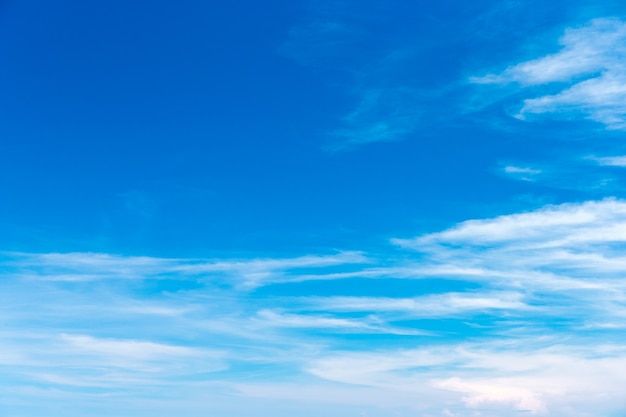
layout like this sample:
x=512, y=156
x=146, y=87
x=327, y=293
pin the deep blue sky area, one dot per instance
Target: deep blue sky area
x=160, y=128
x=321, y=207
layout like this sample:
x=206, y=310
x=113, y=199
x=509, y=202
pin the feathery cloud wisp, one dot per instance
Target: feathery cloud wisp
x=591, y=70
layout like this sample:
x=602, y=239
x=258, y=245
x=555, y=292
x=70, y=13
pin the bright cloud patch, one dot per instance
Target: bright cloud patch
x=611, y=161
x=590, y=70
x=521, y=173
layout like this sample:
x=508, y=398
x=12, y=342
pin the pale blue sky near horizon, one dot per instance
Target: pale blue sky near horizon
x=312, y=208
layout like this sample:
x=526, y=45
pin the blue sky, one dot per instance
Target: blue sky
x=338, y=208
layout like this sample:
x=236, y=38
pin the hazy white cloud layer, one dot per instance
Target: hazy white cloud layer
x=531, y=293
x=586, y=76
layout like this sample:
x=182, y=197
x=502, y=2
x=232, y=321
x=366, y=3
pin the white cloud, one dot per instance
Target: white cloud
x=592, y=68
x=258, y=272
x=568, y=257
x=310, y=321
x=589, y=49
x=63, y=361
x=126, y=351
x=510, y=169
x=602, y=99
x=245, y=273
x=612, y=161
x=538, y=327
x=521, y=173
x=592, y=222
x=534, y=375
x=558, y=173
x=479, y=394
x=439, y=305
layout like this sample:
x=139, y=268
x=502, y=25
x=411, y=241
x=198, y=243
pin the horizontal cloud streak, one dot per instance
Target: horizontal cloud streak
x=93, y=266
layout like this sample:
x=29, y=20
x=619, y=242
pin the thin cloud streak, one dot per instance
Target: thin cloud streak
x=611, y=161
x=440, y=305
x=248, y=273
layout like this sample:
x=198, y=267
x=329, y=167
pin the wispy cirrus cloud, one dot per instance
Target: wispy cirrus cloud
x=382, y=115
x=559, y=256
x=539, y=287
x=438, y=305
x=389, y=101
x=81, y=360
x=246, y=273
x=556, y=173
x=552, y=226
x=329, y=322
x=588, y=75
x=610, y=161
x=521, y=173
